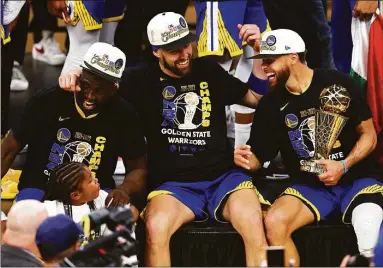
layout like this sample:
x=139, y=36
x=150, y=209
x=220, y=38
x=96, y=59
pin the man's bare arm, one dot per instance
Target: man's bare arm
x=251, y=99
x=244, y=157
x=10, y=147
x=365, y=144
x=135, y=180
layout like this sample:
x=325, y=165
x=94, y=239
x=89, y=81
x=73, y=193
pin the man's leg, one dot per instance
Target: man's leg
x=286, y=215
x=244, y=212
x=362, y=206
x=233, y=198
x=170, y=206
x=163, y=216
x=299, y=206
x=80, y=42
x=7, y=58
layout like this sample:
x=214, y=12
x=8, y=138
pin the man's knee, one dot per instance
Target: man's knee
x=244, y=208
x=276, y=224
x=158, y=226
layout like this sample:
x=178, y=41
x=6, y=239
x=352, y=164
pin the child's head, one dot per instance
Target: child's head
x=73, y=183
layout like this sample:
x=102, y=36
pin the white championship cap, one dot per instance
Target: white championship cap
x=169, y=30
x=280, y=42
x=105, y=60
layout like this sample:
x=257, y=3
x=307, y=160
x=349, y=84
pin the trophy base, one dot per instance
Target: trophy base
x=187, y=126
x=312, y=167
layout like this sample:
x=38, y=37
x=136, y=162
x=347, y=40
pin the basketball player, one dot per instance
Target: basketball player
x=87, y=22
x=10, y=11
x=181, y=102
x=286, y=120
x=219, y=40
x=93, y=126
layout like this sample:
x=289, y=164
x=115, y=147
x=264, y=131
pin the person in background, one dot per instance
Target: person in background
x=19, y=40
x=58, y=237
x=87, y=22
x=217, y=29
x=342, y=13
x=10, y=14
x=19, y=247
x=43, y=24
x=308, y=19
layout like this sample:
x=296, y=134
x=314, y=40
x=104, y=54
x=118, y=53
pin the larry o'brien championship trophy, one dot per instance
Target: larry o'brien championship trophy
x=329, y=122
x=191, y=100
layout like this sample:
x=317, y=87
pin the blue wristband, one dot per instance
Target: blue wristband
x=344, y=165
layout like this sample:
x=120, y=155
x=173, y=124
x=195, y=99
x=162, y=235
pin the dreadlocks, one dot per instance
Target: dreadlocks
x=64, y=180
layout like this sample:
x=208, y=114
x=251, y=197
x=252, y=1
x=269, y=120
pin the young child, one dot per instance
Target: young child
x=73, y=191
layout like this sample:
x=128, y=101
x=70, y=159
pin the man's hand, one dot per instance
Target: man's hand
x=58, y=8
x=365, y=9
x=251, y=34
x=117, y=197
x=69, y=81
x=334, y=171
x=243, y=157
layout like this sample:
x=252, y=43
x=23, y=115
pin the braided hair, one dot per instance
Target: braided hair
x=64, y=180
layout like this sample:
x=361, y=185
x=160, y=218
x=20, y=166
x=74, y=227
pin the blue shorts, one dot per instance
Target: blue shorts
x=207, y=198
x=94, y=13
x=323, y=201
x=217, y=22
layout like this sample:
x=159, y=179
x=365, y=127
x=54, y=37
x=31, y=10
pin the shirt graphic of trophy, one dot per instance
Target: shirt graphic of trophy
x=191, y=100
x=329, y=122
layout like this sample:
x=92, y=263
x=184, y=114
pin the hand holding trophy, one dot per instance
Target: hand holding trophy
x=329, y=122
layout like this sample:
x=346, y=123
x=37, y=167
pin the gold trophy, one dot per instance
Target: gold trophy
x=329, y=122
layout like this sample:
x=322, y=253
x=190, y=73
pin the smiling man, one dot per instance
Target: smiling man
x=181, y=102
x=93, y=126
x=305, y=108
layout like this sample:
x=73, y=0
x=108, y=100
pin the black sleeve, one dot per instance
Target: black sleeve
x=233, y=90
x=264, y=131
x=132, y=141
x=358, y=110
x=33, y=115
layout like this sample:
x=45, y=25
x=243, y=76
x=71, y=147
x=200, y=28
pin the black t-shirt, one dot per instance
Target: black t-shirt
x=56, y=133
x=184, y=120
x=286, y=122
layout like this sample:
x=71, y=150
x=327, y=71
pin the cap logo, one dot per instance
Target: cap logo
x=182, y=22
x=107, y=64
x=271, y=40
x=119, y=64
x=287, y=48
x=265, y=46
x=175, y=31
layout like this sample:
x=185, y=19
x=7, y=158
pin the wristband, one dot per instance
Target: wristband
x=344, y=165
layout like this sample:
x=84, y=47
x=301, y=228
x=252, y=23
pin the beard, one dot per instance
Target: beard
x=281, y=78
x=173, y=68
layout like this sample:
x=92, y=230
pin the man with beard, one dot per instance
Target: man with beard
x=93, y=126
x=301, y=103
x=181, y=102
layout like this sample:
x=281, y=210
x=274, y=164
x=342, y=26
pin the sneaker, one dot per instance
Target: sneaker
x=19, y=82
x=48, y=51
x=120, y=168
